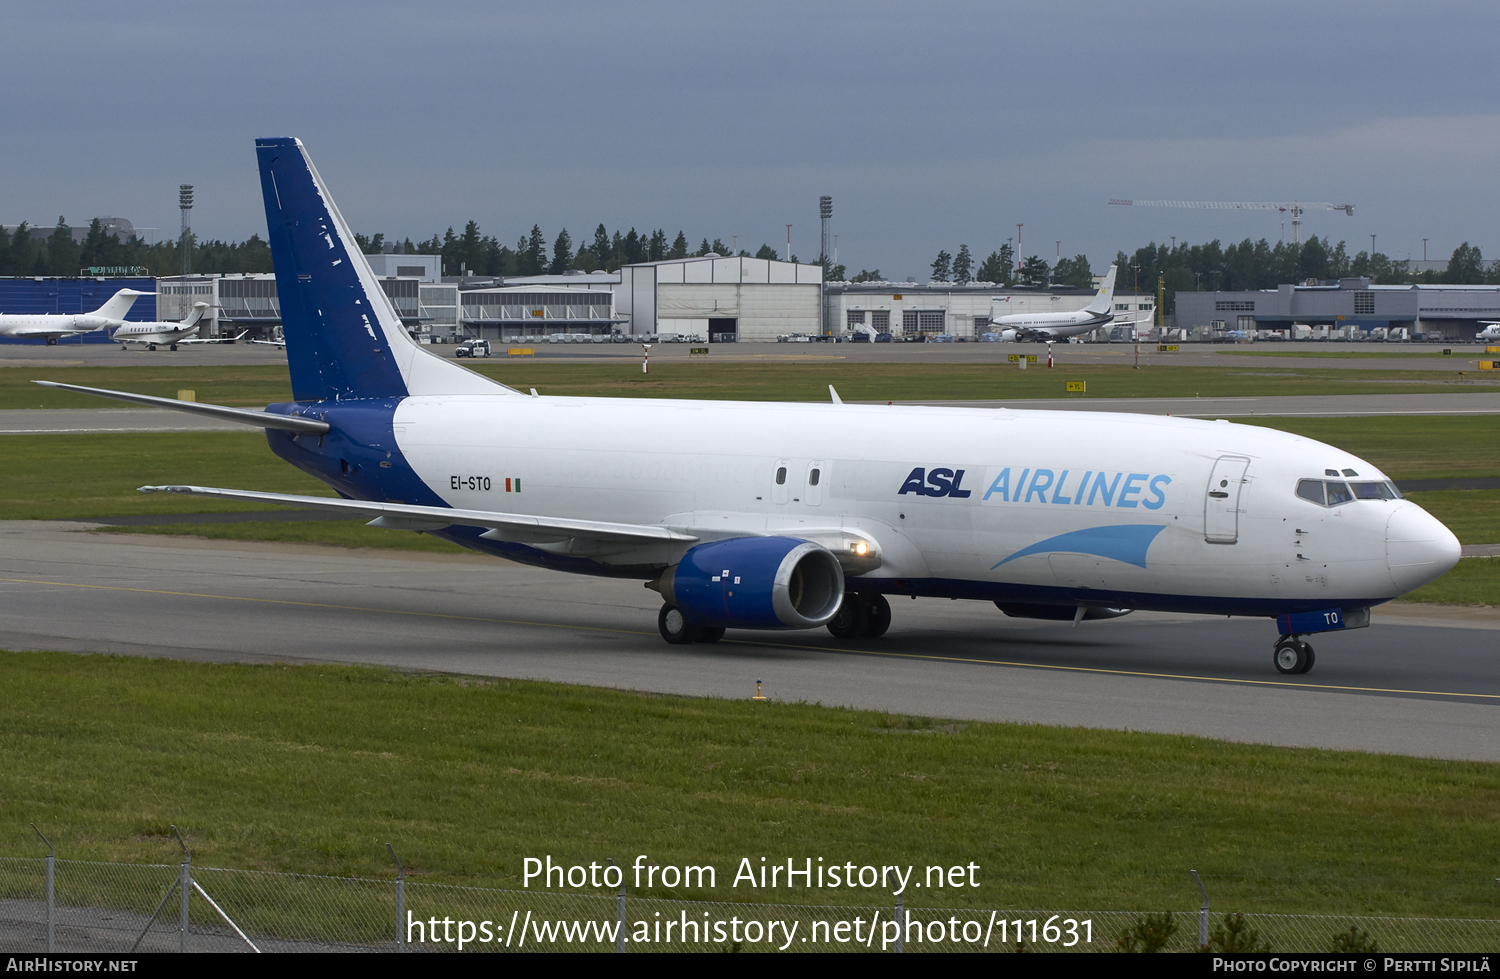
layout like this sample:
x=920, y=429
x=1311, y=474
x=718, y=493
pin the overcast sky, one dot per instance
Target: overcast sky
x=931, y=124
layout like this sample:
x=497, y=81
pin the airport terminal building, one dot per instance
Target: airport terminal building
x=1347, y=309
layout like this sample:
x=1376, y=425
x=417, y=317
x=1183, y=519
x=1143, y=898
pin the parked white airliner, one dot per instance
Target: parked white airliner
x=52, y=326
x=169, y=334
x=1060, y=326
x=1491, y=332
x=776, y=516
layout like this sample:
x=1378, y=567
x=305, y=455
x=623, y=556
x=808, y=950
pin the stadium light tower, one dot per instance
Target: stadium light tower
x=185, y=243
x=825, y=212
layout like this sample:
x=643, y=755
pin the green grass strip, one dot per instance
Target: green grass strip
x=771, y=380
x=313, y=768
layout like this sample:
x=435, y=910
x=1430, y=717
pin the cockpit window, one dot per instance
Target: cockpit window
x=1374, y=491
x=1334, y=492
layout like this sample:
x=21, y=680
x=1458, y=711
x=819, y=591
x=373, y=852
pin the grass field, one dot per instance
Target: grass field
x=1475, y=581
x=773, y=381
x=314, y=768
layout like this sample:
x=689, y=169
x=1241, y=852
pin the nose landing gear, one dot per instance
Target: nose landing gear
x=1292, y=655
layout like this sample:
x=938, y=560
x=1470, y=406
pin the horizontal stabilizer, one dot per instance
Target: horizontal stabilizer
x=244, y=416
x=408, y=516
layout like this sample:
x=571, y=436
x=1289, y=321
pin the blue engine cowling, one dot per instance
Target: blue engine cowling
x=756, y=583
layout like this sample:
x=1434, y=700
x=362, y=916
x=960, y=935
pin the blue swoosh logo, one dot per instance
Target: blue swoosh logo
x=1127, y=543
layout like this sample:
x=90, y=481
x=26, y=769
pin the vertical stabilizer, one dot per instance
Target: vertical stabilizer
x=119, y=304
x=343, y=337
x=1105, y=301
x=197, y=314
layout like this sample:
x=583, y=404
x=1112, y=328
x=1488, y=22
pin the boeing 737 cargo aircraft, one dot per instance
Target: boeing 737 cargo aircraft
x=795, y=516
x=1060, y=326
x=52, y=326
x=169, y=334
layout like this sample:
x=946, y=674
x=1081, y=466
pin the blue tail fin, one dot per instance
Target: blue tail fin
x=343, y=337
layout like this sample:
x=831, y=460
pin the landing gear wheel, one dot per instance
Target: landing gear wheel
x=851, y=618
x=705, y=634
x=1311, y=658
x=1293, y=656
x=879, y=618
x=173, y=347
x=674, y=628
x=150, y=346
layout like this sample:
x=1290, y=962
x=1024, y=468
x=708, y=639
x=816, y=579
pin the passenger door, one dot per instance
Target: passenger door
x=1221, y=506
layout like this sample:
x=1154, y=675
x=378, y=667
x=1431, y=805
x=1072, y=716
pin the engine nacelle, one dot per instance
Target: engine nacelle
x=756, y=583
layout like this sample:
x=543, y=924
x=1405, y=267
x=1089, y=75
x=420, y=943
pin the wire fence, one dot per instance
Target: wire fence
x=47, y=904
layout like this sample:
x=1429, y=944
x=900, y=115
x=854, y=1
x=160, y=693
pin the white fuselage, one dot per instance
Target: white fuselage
x=1056, y=326
x=1491, y=332
x=710, y=468
x=155, y=333
x=46, y=326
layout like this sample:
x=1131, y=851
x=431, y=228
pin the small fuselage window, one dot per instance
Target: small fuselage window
x=812, y=477
x=781, y=476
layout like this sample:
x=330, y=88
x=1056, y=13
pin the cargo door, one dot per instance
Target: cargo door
x=1221, y=506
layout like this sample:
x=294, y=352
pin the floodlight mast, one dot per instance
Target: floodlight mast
x=1294, y=207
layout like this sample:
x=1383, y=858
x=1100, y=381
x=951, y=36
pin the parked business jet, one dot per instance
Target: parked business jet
x=169, y=334
x=1059, y=326
x=52, y=326
x=1491, y=332
x=795, y=516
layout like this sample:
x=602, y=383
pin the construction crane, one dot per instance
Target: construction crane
x=1295, y=208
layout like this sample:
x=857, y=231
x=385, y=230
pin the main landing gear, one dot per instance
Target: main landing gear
x=677, y=630
x=861, y=617
x=1292, y=655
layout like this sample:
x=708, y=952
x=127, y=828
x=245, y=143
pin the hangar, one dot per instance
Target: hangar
x=909, y=308
x=1348, y=308
x=724, y=299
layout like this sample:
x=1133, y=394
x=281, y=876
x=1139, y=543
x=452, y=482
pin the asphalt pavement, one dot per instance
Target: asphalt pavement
x=1420, y=681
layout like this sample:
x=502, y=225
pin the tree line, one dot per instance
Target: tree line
x=484, y=255
x=59, y=254
x=1251, y=265
x=1248, y=265
x=1000, y=268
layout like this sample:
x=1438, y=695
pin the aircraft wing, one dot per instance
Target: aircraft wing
x=245, y=416
x=271, y=343
x=216, y=339
x=43, y=332
x=403, y=516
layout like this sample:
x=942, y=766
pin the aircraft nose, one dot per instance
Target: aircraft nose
x=1418, y=548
